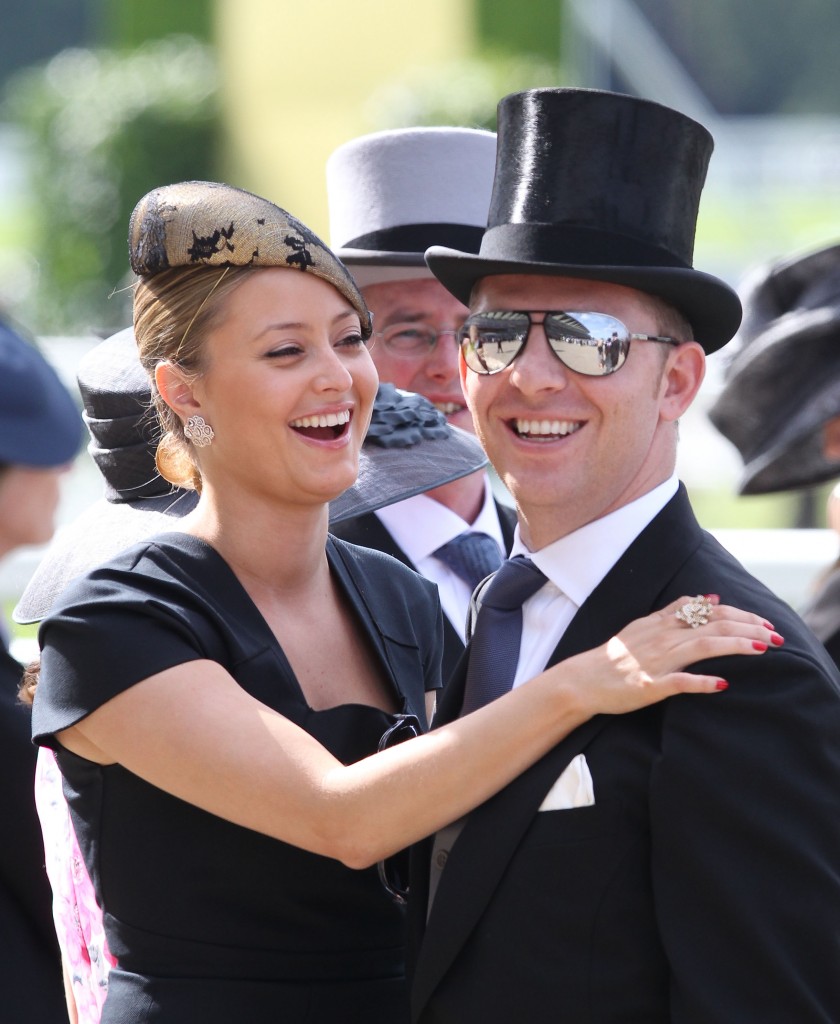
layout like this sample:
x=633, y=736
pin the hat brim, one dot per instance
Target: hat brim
x=100, y=532
x=788, y=468
x=375, y=266
x=710, y=305
x=386, y=475
x=781, y=388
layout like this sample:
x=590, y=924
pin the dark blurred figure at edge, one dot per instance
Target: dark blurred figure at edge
x=780, y=404
x=40, y=433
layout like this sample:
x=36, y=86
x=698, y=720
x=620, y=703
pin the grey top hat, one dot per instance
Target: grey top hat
x=782, y=383
x=392, y=194
x=602, y=186
x=409, y=449
x=39, y=422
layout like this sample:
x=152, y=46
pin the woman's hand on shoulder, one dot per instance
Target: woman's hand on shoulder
x=646, y=661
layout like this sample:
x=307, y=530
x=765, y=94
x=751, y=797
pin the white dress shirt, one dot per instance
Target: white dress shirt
x=575, y=565
x=420, y=525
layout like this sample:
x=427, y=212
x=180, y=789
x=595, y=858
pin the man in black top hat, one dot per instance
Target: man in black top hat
x=680, y=864
x=391, y=195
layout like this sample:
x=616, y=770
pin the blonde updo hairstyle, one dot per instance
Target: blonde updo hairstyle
x=173, y=313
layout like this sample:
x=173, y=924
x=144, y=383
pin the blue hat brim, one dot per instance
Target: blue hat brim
x=40, y=424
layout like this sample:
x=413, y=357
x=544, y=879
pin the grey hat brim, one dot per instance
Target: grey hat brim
x=381, y=257
x=389, y=475
x=369, y=267
x=708, y=303
x=100, y=532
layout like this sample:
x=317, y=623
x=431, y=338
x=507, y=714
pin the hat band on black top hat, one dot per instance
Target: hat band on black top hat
x=129, y=472
x=418, y=237
x=576, y=246
x=117, y=431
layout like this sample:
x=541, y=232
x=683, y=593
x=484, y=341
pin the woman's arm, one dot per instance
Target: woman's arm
x=192, y=731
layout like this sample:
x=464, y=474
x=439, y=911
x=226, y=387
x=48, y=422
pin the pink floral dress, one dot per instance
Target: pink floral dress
x=78, y=919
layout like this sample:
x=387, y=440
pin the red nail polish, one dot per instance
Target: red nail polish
x=759, y=646
x=769, y=625
x=777, y=640
x=721, y=684
x=713, y=597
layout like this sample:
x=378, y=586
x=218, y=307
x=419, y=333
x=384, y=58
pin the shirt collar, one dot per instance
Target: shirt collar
x=578, y=562
x=420, y=525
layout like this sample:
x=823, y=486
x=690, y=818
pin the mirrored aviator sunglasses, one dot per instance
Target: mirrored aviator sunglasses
x=592, y=344
x=393, y=871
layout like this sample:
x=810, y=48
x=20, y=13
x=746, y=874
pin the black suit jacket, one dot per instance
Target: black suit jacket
x=370, y=532
x=703, y=886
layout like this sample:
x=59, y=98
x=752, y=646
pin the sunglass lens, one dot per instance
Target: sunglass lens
x=592, y=344
x=491, y=341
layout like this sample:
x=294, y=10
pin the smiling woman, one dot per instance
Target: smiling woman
x=250, y=379
x=226, y=700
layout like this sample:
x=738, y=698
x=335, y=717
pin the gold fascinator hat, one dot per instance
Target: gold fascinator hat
x=205, y=222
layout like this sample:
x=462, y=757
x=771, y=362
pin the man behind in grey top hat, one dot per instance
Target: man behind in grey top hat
x=391, y=195
x=682, y=863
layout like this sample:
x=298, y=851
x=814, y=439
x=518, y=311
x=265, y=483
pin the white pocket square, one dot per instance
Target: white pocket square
x=573, y=789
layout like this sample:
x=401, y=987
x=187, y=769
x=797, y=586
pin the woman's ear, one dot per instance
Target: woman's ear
x=176, y=390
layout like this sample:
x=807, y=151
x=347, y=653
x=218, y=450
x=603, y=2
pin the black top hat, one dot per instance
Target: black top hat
x=123, y=427
x=601, y=186
x=783, y=381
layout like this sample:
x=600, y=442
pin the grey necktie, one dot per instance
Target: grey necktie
x=472, y=556
x=494, y=649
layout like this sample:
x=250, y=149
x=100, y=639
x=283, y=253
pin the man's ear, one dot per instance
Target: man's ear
x=682, y=376
x=462, y=370
x=176, y=390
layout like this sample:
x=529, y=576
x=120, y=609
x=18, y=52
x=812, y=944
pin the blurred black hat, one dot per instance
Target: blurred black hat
x=601, y=186
x=783, y=381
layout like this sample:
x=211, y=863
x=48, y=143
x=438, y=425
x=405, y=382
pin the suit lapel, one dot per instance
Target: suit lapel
x=634, y=586
x=370, y=532
x=477, y=862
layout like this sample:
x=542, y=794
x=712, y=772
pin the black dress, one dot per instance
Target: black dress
x=210, y=921
x=31, y=987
